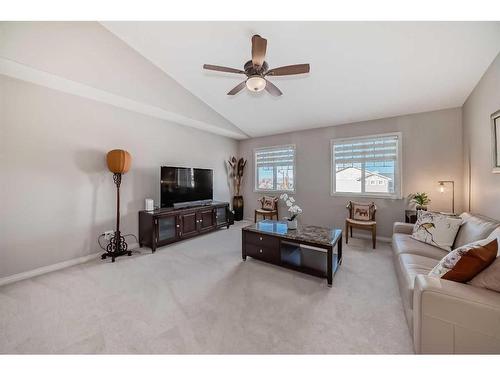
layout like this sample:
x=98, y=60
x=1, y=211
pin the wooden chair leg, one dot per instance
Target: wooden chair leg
x=351, y=231
x=374, y=236
x=346, y=232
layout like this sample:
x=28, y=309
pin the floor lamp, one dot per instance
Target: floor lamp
x=118, y=163
x=441, y=189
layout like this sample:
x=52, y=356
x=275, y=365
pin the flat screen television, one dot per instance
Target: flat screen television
x=180, y=185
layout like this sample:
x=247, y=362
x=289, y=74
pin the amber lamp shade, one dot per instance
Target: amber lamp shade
x=118, y=161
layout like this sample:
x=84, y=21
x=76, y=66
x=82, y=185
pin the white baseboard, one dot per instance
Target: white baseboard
x=367, y=236
x=53, y=267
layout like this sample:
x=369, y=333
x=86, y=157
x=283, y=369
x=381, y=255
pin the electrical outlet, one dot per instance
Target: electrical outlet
x=108, y=234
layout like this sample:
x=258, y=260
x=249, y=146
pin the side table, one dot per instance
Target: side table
x=410, y=216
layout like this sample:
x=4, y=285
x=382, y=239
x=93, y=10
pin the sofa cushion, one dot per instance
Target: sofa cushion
x=489, y=278
x=412, y=265
x=493, y=235
x=464, y=263
x=437, y=229
x=474, y=228
x=405, y=244
x=405, y=228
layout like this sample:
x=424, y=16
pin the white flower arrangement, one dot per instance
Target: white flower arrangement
x=294, y=209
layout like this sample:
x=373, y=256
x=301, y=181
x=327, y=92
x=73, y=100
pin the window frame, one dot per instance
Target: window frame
x=398, y=173
x=255, y=185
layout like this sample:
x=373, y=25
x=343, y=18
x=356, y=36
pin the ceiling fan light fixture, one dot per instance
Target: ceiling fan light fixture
x=257, y=69
x=256, y=83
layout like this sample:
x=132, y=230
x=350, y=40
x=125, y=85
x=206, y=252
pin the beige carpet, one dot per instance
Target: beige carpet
x=198, y=296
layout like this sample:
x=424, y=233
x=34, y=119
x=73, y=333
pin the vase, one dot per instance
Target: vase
x=238, y=207
x=291, y=224
x=419, y=207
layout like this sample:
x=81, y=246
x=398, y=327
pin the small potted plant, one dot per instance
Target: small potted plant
x=421, y=200
x=294, y=210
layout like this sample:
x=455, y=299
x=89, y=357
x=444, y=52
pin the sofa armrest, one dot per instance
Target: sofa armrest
x=404, y=228
x=450, y=317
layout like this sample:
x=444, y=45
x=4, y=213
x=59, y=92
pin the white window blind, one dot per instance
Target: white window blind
x=366, y=149
x=275, y=168
x=367, y=165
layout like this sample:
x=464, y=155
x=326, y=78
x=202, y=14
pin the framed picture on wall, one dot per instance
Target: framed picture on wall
x=495, y=144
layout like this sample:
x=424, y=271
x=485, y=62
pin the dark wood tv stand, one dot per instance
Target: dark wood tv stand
x=167, y=225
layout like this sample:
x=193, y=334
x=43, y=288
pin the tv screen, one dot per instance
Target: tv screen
x=185, y=185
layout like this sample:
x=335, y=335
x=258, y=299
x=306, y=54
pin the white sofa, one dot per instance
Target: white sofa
x=445, y=316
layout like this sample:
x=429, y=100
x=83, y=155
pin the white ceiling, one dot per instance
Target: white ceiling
x=359, y=70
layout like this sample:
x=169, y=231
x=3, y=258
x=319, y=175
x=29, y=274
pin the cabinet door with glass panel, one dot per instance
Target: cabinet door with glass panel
x=221, y=216
x=168, y=229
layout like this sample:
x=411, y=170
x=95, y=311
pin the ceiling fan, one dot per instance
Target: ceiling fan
x=257, y=70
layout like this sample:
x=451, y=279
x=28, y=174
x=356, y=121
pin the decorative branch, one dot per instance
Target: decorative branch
x=236, y=169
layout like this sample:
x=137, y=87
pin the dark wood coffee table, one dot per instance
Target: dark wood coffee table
x=310, y=249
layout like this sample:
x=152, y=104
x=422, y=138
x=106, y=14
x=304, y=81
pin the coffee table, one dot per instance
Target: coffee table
x=309, y=249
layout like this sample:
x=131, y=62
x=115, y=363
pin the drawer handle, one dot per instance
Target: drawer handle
x=260, y=238
x=260, y=251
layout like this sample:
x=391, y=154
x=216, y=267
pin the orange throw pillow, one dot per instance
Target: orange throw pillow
x=464, y=263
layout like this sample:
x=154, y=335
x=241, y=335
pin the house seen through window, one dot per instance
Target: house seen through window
x=367, y=165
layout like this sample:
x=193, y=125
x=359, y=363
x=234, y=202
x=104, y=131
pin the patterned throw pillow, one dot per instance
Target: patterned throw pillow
x=436, y=229
x=464, y=263
x=268, y=203
x=361, y=211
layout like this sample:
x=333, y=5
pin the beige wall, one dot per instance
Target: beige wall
x=432, y=151
x=56, y=193
x=485, y=185
x=87, y=53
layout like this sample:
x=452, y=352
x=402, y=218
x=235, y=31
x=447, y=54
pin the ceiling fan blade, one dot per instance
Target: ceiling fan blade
x=289, y=70
x=237, y=89
x=259, y=46
x=222, y=69
x=272, y=89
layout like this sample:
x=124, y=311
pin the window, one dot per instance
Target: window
x=275, y=168
x=367, y=166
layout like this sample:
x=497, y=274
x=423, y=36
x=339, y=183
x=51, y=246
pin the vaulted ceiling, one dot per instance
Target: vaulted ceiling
x=359, y=70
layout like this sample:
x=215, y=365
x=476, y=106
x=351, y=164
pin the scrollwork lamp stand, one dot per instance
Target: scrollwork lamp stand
x=118, y=163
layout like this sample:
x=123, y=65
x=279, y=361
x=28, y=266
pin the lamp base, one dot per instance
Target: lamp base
x=116, y=247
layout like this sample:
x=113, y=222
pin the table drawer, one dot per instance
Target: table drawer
x=262, y=240
x=268, y=254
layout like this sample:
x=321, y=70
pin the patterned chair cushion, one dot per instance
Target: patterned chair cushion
x=268, y=203
x=361, y=211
